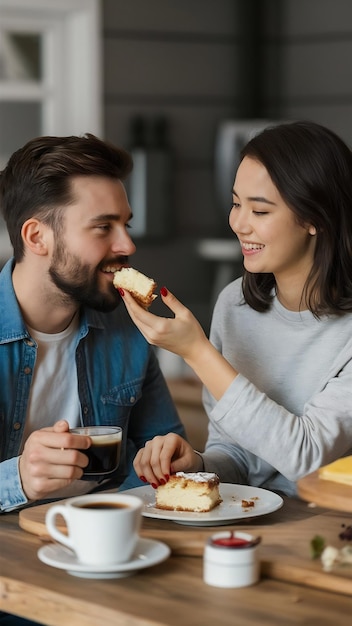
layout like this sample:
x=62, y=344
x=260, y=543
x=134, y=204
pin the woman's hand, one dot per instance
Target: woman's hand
x=182, y=334
x=165, y=455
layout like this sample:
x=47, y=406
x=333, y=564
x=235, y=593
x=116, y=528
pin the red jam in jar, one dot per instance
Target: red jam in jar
x=231, y=559
x=231, y=542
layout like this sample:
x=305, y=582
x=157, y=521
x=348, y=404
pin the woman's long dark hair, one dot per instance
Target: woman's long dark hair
x=312, y=169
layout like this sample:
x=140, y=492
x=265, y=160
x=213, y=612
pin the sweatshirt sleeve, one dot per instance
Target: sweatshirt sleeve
x=294, y=445
x=11, y=493
x=289, y=409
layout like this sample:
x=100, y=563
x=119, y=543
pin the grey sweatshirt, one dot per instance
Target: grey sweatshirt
x=289, y=410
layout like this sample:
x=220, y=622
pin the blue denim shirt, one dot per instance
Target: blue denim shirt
x=119, y=383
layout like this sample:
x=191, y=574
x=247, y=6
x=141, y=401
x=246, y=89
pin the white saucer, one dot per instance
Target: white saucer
x=148, y=552
x=230, y=510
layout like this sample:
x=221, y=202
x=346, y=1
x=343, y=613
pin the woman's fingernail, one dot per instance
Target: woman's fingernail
x=166, y=477
x=163, y=291
x=143, y=478
x=154, y=486
x=121, y=292
x=162, y=481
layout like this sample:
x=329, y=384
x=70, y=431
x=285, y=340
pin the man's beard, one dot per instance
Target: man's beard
x=80, y=283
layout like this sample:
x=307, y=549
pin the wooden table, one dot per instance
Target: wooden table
x=325, y=492
x=173, y=592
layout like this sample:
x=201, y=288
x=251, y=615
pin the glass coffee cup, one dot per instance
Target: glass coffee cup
x=105, y=451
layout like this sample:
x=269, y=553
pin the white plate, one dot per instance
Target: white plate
x=229, y=510
x=148, y=552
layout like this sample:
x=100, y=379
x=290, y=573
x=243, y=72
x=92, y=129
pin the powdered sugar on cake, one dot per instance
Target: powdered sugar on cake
x=198, y=477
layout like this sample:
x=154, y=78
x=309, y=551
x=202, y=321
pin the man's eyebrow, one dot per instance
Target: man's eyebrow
x=256, y=199
x=109, y=217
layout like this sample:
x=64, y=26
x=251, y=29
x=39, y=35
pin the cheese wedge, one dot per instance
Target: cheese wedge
x=339, y=471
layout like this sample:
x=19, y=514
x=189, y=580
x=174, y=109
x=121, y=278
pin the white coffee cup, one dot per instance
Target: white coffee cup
x=102, y=529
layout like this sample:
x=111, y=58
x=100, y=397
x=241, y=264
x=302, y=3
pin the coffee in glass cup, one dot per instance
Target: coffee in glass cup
x=104, y=453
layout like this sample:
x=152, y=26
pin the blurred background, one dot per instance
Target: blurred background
x=182, y=84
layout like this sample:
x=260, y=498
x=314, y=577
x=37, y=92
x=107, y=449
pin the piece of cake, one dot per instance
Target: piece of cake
x=140, y=286
x=339, y=471
x=197, y=492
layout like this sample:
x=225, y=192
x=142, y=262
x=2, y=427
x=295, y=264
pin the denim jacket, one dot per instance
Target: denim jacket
x=119, y=383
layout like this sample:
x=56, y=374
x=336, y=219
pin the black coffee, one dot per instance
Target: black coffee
x=104, y=506
x=103, y=455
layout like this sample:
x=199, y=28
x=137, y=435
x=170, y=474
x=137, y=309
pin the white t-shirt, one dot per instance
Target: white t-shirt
x=54, y=391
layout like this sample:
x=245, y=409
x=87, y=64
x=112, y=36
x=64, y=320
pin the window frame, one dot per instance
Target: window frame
x=71, y=90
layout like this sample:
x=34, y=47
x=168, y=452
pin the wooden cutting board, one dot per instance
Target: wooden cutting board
x=284, y=550
x=325, y=493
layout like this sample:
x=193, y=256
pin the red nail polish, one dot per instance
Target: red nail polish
x=143, y=478
x=162, y=481
x=121, y=292
x=166, y=477
x=154, y=486
x=163, y=291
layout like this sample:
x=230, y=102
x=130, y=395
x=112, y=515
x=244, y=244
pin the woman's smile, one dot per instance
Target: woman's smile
x=250, y=248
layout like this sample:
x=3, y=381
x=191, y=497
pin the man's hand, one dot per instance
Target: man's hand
x=51, y=460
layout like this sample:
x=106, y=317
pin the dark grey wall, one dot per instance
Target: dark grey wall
x=176, y=59
x=199, y=62
x=315, y=48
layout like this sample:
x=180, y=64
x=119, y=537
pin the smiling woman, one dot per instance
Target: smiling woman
x=272, y=239
x=277, y=369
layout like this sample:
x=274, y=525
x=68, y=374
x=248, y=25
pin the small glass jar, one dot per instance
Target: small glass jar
x=231, y=559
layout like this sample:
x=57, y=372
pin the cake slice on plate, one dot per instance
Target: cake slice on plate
x=197, y=492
